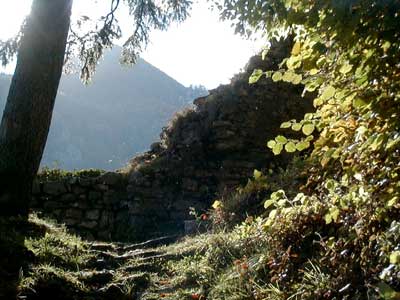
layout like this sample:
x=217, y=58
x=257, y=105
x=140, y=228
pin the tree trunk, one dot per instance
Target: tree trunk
x=27, y=115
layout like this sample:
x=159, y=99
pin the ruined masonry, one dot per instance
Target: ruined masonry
x=206, y=150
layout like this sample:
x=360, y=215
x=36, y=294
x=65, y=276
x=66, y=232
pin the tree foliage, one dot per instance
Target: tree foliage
x=346, y=53
x=88, y=37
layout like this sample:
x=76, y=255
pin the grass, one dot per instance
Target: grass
x=298, y=256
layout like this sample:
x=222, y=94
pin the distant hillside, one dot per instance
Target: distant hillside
x=119, y=114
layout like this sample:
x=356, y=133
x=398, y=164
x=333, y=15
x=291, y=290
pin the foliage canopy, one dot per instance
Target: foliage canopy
x=347, y=54
x=89, y=37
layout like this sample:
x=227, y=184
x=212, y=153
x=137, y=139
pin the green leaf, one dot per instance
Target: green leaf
x=308, y=128
x=387, y=293
x=286, y=125
x=296, y=126
x=271, y=144
x=281, y=139
x=302, y=145
x=359, y=103
x=297, y=79
x=277, y=76
x=346, y=68
x=268, y=203
x=318, y=102
x=296, y=48
x=394, y=257
x=287, y=76
x=257, y=174
x=328, y=218
x=328, y=93
x=277, y=149
x=290, y=147
x=257, y=73
x=311, y=86
x=392, y=201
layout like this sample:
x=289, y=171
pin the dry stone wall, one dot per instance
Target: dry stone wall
x=205, y=151
x=91, y=206
x=213, y=147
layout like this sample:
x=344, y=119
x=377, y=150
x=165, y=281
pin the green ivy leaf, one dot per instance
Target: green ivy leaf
x=296, y=48
x=268, y=203
x=328, y=93
x=271, y=144
x=346, y=68
x=257, y=73
x=290, y=147
x=281, y=139
x=296, y=126
x=394, y=257
x=277, y=149
x=257, y=174
x=277, y=76
x=308, y=128
x=286, y=125
x=300, y=146
x=387, y=293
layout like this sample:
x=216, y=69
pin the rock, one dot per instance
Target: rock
x=110, y=197
x=74, y=213
x=94, y=196
x=190, y=226
x=93, y=214
x=189, y=184
x=86, y=182
x=54, y=188
x=36, y=190
x=68, y=198
x=112, y=291
x=155, y=147
x=78, y=190
x=50, y=205
x=97, y=277
x=101, y=187
x=110, y=178
x=106, y=219
x=70, y=222
x=89, y=224
x=104, y=235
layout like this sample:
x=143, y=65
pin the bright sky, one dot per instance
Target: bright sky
x=202, y=50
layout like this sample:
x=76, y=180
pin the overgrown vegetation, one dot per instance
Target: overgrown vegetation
x=50, y=174
x=331, y=240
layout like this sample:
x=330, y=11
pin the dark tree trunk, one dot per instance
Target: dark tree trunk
x=27, y=115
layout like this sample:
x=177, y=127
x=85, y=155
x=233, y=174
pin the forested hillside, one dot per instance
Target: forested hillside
x=120, y=113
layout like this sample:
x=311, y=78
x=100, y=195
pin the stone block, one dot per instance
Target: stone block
x=54, y=188
x=78, y=190
x=93, y=214
x=101, y=187
x=110, y=197
x=89, y=224
x=74, y=213
x=111, y=178
x=86, y=182
x=50, y=205
x=104, y=235
x=70, y=222
x=68, y=198
x=190, y=226
x=36, y=190
x=94, y=196
x=106, y=219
